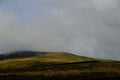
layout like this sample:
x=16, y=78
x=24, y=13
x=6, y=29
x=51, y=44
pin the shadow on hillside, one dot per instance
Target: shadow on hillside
x=59, y=77
x=88, y=70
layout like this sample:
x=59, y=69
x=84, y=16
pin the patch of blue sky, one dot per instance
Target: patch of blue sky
x=27, y=9
x=37, y=9
x=7, y=5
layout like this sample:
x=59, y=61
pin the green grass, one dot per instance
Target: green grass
x=47, y=57
x=58, y=56
x=76, y=58
x=56, y=66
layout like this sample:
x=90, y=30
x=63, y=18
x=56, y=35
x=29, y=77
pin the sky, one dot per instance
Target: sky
x=83, y=27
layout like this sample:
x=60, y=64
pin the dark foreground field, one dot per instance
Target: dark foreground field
x=93, y=70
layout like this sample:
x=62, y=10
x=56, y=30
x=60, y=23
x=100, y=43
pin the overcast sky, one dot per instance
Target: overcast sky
x=84, y=27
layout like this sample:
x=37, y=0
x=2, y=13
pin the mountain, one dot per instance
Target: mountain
x=23, y=65
x=21, y=59
x=44, y=56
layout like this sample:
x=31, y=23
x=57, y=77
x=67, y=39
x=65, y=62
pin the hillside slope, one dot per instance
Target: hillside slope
x=27, y=59
x=44, y=56
x=56, y=66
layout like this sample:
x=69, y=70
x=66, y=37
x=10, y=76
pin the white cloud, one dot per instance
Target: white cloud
x=85, y=27
x=105, y=4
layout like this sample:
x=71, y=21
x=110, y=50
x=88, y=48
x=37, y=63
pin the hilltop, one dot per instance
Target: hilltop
x=27, y=59
x=44, y=56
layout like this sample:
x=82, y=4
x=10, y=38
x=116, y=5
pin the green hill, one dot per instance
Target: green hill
x=25, y=59
x=23, y=65
x=44, y=56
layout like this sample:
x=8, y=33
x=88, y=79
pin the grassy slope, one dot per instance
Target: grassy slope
x=65, y=71
x=58, y=66
x=52, y=57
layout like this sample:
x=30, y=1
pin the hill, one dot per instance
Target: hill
x=44, y=56
x=22, y=65
x=27, y=59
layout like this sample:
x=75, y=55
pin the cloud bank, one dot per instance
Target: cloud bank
x=84, y=27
